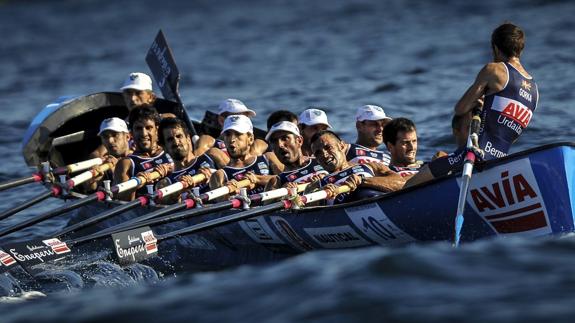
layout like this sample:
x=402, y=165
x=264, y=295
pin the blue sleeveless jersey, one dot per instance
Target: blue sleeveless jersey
x=260, y=166
x=405, y=171
x=340, y=177
x=303, y=174
x=201, y=161
x=504, y=116
x=359, y=154
x=147, y=164
x=507, y=113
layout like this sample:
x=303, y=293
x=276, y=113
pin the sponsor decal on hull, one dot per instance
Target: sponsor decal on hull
x=508, y=198
x=342, y=236
x=287, y=232
x=373, y=223
x=260, y=231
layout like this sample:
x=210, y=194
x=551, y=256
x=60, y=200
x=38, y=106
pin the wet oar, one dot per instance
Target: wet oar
x=138, y=244
x=134, y=182
x=80, y=166
x=36, y=177
x=466, y=175
x=41, y=197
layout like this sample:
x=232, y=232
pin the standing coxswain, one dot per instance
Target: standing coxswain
x=144, y=123
x=508, y=96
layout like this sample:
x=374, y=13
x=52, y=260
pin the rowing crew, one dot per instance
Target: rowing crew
x=168, y=141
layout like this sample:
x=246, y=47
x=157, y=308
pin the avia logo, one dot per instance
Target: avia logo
x=360, y=152
x=526, y=85
x=513, y=110
x=509, y=199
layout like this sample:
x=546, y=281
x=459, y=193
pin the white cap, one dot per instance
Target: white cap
x=283, y=126
x=239, y=123
x=370, y=112
x=138, y=81
x=312, y=117
x=235, y=106
x=113, y=124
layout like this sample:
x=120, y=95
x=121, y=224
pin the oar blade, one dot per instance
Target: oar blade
x=31, y=254
x=134, y=245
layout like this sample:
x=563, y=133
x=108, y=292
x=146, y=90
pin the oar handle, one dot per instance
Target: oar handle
x=277, y=193
x=316, y=196
x=79, y=166
x=224, y=190
x=141, y=179
x=88, y=175
x=179, y=186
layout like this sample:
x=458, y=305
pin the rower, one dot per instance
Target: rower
x=137, y=91
x=176, y=139
x=286, y=141
x=400, y=136
x=227, y=108
x=144, y=123
x=373, y=178
x=507, y=96
x=238, y=137
x=370, y=122
x=311, y=121
x=115, y=138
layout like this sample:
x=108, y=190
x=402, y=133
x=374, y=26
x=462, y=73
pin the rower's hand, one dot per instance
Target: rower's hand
x=207, y=172
x=110, y=159
x=253, y=178
x=331, y=190
x=291, y=186
x=313, y=186
x=353, y=181
x=316, y=177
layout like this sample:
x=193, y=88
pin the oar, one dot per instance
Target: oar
x=80, y=166
x=36, y=177
x=138, y=244
x=55, y=191
x=133, y=182
x=206, y=197
x=140, y=201
x=467, y=171
x=164, y=216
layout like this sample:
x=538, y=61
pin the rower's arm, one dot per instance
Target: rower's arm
x=491, y=79
x=385, y=179
x=259, y=147
x=424, y=175
x=204, y=143
x=122, y=174
x=217, y=179
x=275, y=164
x=218, y=156
x=272, y=184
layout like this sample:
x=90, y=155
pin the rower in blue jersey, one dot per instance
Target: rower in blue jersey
x=286, y=141
x=227, y=108
x=508, y=96
x=148, y=154
x=370, y=122
x=371, y=178
x=311, y=121
x=400, y=136
x=176, y=139
x=244, y=164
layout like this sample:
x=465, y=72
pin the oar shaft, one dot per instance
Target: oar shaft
x=140, y=201
x=25, y=205
x=20, y=181
x=79, y=166
x=98, y=196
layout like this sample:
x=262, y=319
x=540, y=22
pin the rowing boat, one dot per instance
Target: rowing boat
x=527, y=194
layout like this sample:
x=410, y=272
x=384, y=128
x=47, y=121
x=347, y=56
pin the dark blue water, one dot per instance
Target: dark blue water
x=414, y=58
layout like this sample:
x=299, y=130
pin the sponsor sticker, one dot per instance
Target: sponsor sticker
x=59, y=247
x=508, y=198
x=342, y=236
x=6, y=259
x=134, y=245
x=372, y=222
x=260, y=231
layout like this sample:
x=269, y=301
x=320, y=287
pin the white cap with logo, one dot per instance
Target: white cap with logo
x=236, y=107
x=138, y=81
x=370, y=112
x=239, y=123
x=312, y=117
x=113, y=124
x=283, y=126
